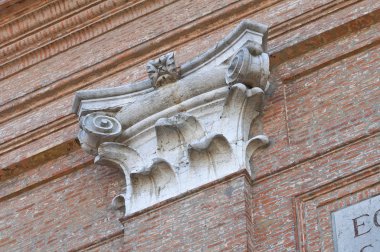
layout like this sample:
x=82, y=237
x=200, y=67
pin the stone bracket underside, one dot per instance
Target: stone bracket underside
x=184, y=126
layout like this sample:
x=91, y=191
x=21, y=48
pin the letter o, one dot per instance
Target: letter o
x=376, y=218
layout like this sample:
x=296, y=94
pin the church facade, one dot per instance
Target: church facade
x=189, y=125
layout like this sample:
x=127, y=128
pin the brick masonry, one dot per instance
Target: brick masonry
x=322, y=117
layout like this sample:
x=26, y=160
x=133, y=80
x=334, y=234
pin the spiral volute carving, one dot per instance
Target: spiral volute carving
x=100, y=124
x=250, y=65
x=97, y=128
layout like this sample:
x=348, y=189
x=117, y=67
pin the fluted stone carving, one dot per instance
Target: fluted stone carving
x=171, y=134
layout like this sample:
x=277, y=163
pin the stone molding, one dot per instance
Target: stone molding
x=173, y=133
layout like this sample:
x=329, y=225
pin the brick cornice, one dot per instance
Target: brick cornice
x=58, y=25
x=38, y=19
x=310, y=16
x=31, y=39
x=38, y=159
x=13, y=9
x=38, y=133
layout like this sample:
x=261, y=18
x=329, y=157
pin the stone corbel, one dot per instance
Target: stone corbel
x=184, y=126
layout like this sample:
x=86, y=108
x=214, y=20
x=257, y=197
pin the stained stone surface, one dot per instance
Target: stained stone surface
x=357, y=227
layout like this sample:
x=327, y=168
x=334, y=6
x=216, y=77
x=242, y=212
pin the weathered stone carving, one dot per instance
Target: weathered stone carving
x=250, y=66
x=97, y=128
x=187, y=133
x=163, y=70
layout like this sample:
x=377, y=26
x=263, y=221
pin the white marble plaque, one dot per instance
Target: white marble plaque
x=357, y=227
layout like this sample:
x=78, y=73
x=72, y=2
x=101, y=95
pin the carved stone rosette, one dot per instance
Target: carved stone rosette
x=169, y=139
x=163, y=70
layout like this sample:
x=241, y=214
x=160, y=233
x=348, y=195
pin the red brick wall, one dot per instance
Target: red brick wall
x=322, y=117
x=62, y=212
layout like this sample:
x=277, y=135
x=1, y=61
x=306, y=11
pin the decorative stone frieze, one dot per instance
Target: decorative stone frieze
x=173, y=133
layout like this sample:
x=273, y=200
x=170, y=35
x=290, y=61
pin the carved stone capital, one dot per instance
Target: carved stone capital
x=196, y=128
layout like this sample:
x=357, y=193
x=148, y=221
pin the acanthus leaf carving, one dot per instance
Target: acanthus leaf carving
x=211, y=158
x=203, y=133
